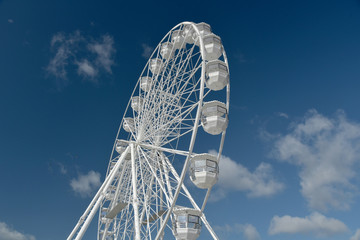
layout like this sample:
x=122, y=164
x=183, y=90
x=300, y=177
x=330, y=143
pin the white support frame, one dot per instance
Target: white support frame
x=94, y=204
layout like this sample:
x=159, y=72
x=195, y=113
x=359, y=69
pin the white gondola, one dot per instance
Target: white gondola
x=214, y=117
x=156, y=65
x=120, y=146
x=188, y=33
x=213, y=47
x=129, y=125
x=177, y=39
x=187, y=224
x=204, y=170
x=217, y=75
x=167, y=51
x=136, y=103
x=204, y=30
x=145, y=83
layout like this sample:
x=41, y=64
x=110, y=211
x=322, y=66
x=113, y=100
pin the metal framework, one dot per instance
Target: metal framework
x=146, y=179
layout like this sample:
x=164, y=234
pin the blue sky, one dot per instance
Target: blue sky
x=292, y=151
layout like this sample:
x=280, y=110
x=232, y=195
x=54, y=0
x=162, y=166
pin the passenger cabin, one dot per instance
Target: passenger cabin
x=204, y=30
x=120, y=146
x=217, y=75
x=204, y=170
x=156, y=66
x=188, y=34
x=145, y=83
x=136, y=103
x=213, y=47
x=177, y=39
x=214, y=117
x=187, y=224
x=167, y=51
x=129, y=125
x=114, y=161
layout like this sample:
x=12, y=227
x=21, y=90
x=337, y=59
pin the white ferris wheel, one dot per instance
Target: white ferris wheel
x=146, y=195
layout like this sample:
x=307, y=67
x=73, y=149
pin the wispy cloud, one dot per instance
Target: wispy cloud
x=95, y=55
x=316, y=224
x=64, y=47
x=356, y=236
x=87, y=69
x=10, y=20
x=86, y=184
x=104, y=51
x=284, y=115
x=327, y=151
x=57, y=166
x=147, y=50
x=8, y=233
x=247, y=230
x=235, y=177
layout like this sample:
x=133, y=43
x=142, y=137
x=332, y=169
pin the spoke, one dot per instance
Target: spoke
x=156, y=177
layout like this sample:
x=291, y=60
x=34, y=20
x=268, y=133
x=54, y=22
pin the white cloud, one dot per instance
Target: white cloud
x=64, y=47
x=10, y=20
x=86, y=184
x=68, y=48
x=249, y=231
x=235, y=177
x=315, y=224
x=7, y=233
x=356, y=235
x=86, y=69
x=284, y=115
x=104, y=51
x=147, y=50
x=326, y=150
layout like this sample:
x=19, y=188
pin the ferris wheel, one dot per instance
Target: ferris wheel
x=182, y=94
